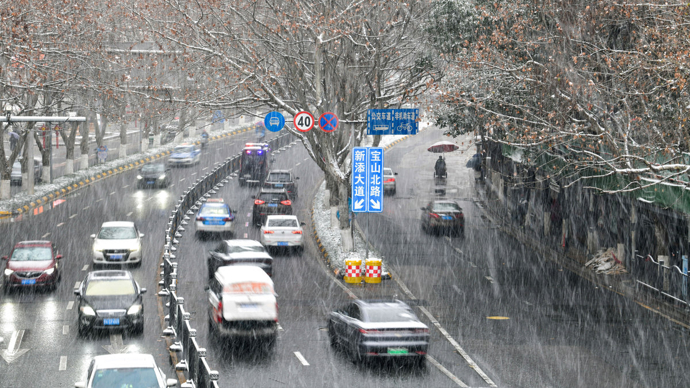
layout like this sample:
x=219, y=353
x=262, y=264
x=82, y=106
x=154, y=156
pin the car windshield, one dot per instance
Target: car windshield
x=31, y=254
x=117, y=233
x=390, y=315
x=245, y=248
x=273, y=197
x=278, y=177
x=183, y=150
x=153, y=168
x=214, y=210
x=125, y=377
x=445, y=207
x=285, y=222
x=109, y=287
x=387, y=171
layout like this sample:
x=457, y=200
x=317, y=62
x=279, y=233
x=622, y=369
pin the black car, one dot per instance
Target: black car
x=239, y=252
x=254, y=163
x=282, y=179
x=153, y=175
x=443, y=216
x=110, y=300
x=270, y=201
x=378, y=329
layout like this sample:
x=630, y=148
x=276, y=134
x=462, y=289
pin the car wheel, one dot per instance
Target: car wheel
x=299, y=250
x=241, y=182
x=138, y=329
x=355, y=356
x=420, y=362
x=211, y=328
x=393, y=192
x=82, y=330
x=332, y=339
x=211, y=271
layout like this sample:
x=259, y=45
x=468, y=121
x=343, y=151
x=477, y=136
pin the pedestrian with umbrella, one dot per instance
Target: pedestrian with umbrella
x=14, y=138
x=441, y=147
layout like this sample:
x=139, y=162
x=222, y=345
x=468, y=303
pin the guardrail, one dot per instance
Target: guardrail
x=669, y=283
x=193, y=357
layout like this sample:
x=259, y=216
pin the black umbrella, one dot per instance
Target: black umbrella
x=475, y=160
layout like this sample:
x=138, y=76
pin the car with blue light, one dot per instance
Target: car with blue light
x=215, y=216
x=185, y=155
x=255, y=162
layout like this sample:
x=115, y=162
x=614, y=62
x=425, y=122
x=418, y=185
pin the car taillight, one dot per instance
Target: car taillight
x=369, y=331
x=228, y=219
x=201, y=219
x=286, y=202
x=296, y=232
x=268, y=232
x=219, y=313
x=259, y=202
x=434, y=215
x=389, y=180
x=459, y=215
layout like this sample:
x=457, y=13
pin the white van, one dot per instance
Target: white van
x=242, y=303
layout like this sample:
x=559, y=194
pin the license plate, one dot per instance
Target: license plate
x=446, y=217
x=214, y=222
x=282, y=243
x=116, y=257
x=272, y=205
x=150, y=182
x=248, y=306
x=28, y=281
x=279, y=185
x=111, y=321
x=397, y=351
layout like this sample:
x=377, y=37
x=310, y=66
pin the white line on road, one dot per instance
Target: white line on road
x=76, y=284
x=457, y=289
x=280, y=328
x=60, y=224
x=63, y=362
x=124, y=187
x=245, y=235
x=182, y=180
x=113, y=193
x=301, y=358
x=205, y=168
x=445, y=371
x=65, y=329
x=246, y=224
x=193, y=174
x=85, y=268
x=70, y=305
x=99, y=200
x=489, y=279
x=86, y=207
x=297, y=164
x=72, y=216
x=171, y=185
x=249, y=214
x=46, y=235
x=129, y=214
x=457, y=347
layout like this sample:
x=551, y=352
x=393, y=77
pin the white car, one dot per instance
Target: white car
x=125, y=370
x=282, y=231
x=118, y=242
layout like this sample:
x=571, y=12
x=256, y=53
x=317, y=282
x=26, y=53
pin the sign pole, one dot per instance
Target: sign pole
x=352, y=156
x=366, y=255
x=50, y=150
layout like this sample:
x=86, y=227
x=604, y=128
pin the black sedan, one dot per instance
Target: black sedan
x=153, y=175
x=110, y=300
x=270, y=201
x=239, y=252
x=443, y=216
x=282, y=179
x=378, y=329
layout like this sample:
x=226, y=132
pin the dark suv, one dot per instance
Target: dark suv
x=270, y=201
x=282, y=179
x=254, y=163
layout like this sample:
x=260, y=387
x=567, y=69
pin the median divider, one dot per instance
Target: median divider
x=186, y=353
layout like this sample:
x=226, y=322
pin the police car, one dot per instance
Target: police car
x=215, y=216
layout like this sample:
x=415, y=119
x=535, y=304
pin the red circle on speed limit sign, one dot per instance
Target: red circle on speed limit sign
x=303, y=121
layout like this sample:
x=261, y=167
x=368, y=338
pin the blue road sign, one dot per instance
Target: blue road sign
x=367, y=180
x=328, y=122
x=392, y=121
x=218, y=117
x=274, y=121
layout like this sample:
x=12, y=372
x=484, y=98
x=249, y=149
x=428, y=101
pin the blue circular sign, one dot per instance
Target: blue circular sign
x=274, y=121
x=328, y=122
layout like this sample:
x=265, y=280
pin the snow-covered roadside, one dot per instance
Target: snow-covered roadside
x=15, y=203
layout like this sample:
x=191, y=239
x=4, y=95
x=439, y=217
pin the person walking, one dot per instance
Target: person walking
x=14, y=138
x=102, y=154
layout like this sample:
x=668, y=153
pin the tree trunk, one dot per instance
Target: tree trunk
x=343, y=190
x=84, y=146
x=123, y=140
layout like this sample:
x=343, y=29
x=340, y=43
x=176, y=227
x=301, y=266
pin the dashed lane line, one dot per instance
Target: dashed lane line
x=129, y=214
x=65, y=329
x=63, y=363
x=124, y=187
x=489, y=279
x=76, y=284
x=46, y=235
x=182, y=179
x=70, y=305
x=301, y=358
x=99, y=200
x=86, y=207
x=445, y=371
x=205, y=168
x=59, y=225
x=85, y=268
x=113, y=193
x=72, y=216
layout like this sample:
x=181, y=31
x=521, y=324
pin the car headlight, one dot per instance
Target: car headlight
x=135, y=248
x=134, y=310
x=97, y=249
x=8, y=272
x=49, y=271
x=162, y=176
x=140, y=177
x=87, y=310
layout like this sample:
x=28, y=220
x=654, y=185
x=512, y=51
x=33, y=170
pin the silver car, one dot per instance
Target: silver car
x=118, y=242
x=389, y=180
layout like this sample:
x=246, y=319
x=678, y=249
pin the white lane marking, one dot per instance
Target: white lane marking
x=205, y=168
x=249, y=214
x=99, y=200
x=70, y=305
x=489, y=279
x=65, y=329
x=63, y=362
x=445, y=371
x=46, y=235
x=86, y=207
x=472, y=264
x=171, y=185
x=60, y=224
x=457, y=289
x=280, y=328
x=85, y=268
x=301, y=358
x=129, y=214
x=246, y=224
x=448, y=239
x=76, y=284
x=297, y=164
x=112, y=193
x=72, y=216
x=182, y=180
x=305, y=159
x=124, y=187
x=245, y=235
x=193, y=174
x=457, y=347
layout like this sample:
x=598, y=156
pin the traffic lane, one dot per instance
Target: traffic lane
x=480, y=283
x=77, y=219
x=306, y=297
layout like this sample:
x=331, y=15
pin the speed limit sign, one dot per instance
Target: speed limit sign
x=304, y=121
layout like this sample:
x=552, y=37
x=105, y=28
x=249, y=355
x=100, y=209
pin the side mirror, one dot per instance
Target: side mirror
x=171, y=383
x=80, y=384
x=58, y=257
x=93, y=236
x=143, y=290
x=206, y=288
x=77, y=292
x=141, y=235
x=423, y=208
x=296, y=177
x=3, y=258
x=253, y=196
x=302, y=223
x=395, y=173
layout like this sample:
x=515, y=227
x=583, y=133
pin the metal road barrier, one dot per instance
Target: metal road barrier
x=191, y=355
x=667, y=282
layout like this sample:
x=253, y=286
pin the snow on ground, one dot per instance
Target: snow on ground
x=42, y=190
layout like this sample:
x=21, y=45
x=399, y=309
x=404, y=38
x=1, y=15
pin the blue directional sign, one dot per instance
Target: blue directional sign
x=392, y=121
x=367, y=180
x=274, y=121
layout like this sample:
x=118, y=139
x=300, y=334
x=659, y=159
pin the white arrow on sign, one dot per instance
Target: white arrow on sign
x=359, y=204
x=13, y=351
x=116, y=345
x=375, y=204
